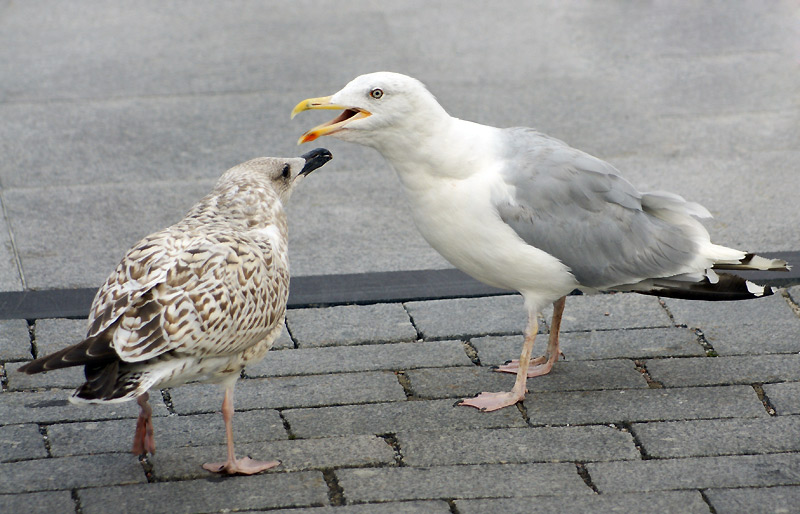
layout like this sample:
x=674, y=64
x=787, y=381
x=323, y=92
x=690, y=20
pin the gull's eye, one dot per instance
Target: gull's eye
x=286, y=171
x=376, y=93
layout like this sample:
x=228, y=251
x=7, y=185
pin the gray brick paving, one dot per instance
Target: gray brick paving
x=490, y=480
x=784, y=397
x=271, y=490
x=752, y=500
x=516, y=445
x=597, y=344
x=724, y=370
x=373, y=357
x=116, y=118
x=678, y=502
x=568, y=376
x=696, y=473
x=350, y=324
x=702, y=438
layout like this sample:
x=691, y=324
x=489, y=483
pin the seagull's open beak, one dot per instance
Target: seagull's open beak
x=335, y=125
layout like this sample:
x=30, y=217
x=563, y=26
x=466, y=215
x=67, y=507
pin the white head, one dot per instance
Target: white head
x=377, y=107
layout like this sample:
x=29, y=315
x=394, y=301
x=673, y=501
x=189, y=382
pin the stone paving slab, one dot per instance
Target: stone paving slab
x=21, y=442
x=295, y=455
x=566, y=376
x=462, y=317
x=350, y=324
x=678, y=502
x=712, y=437
x=44, y=503
x=489, y=480
x=761, y=312
x=54, y=407
x=372, y=357
x=743, y=369
x=406, y=507
x=305, y=391
x=69, y=473
x=170, y=432
x=69, y=378
x=696, y=473
x=611, y=312
x=622, y=405
x=784, y=397
x=387, y=418
x=777, y=336
x=516, y=445
x=15, y=344
x=752, y=500
x=597, y=344
x=271, y=490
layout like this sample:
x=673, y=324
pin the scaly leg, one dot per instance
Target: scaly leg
x=143, y=439
x=542, y=365
x=494, y=401
x=234, y=466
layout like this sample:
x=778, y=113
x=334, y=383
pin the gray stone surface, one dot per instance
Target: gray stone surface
x=372, y=357
x=784, y=397
x=385, y=418
x=777, y=336
x=771, y=499
x=611, y=312
x=643, y=405
x=516, y=445
x=52, y=335
x=409, y=507
x=711, y=437
x=15, y=344
x=61, y=378
x=696, y=473
x=170, y=432
x=21, y=442
x=305, y=391
x=566, y=376
x=597, y=344
x=678, y=502
x=489, y=480
x=44, y=503
x=69, y=473
x=762, y=313
x=724, y=370
x=272, y=490
x=351, y=324
x=463, y=317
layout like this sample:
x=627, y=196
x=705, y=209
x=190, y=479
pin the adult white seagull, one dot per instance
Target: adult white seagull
x=520, y=210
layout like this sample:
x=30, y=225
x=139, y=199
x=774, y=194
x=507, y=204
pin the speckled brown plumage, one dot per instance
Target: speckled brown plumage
x=196, y=301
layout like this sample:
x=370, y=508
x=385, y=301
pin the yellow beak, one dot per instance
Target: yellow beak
x=335, y=125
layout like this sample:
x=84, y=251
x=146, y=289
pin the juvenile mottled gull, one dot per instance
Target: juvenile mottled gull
x=194, y=302
x=519, y=210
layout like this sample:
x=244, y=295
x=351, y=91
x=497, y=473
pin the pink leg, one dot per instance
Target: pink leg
x=234, y=466
x=494, y=401
x=143, y=439
x=542, y=365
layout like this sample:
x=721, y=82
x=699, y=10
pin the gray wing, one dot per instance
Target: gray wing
x=580, y=210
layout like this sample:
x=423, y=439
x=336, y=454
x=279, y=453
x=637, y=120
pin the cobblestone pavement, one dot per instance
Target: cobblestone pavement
x=663, y=406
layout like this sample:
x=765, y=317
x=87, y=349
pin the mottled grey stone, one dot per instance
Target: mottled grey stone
x=516, y=445
x=782, y=499
x=54, y=407
x=677, y=502
x=409, y=507
x=170, y=432
x=643, y=405
x=373, y=357
x=70, y=473
x=283, y=392
x=724, y=370
x=488, y=480
x=385, y=418
x=53, y=335
x=173, y=463
x=60, y=378
x=21, y=442
x=696, y=473
x=270, y=490
x=15, y=341
x=778, y=336
x=712, y=437
x=448, y=319
x=611, y=312
x=37, y=503
x=784, y=397
x=598, y=344
x=565, y=376
x=351, y=324
x=762, y=313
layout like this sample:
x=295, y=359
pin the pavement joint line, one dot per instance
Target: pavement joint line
x=148, y=469
x=76, y=500
x=701, y=339
x=452, y=505
x=405, y=383
x=45, y=440
x=413, y=324
x=167, y=398
x=628, y=427
x=335, y=491
x=703, y=495
x=641, y=367
x=585, y=476
x=12, y=241
x=32, y=337
x=792, y=304
x=394, y=444
x=762, y=395
x=471, y=352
